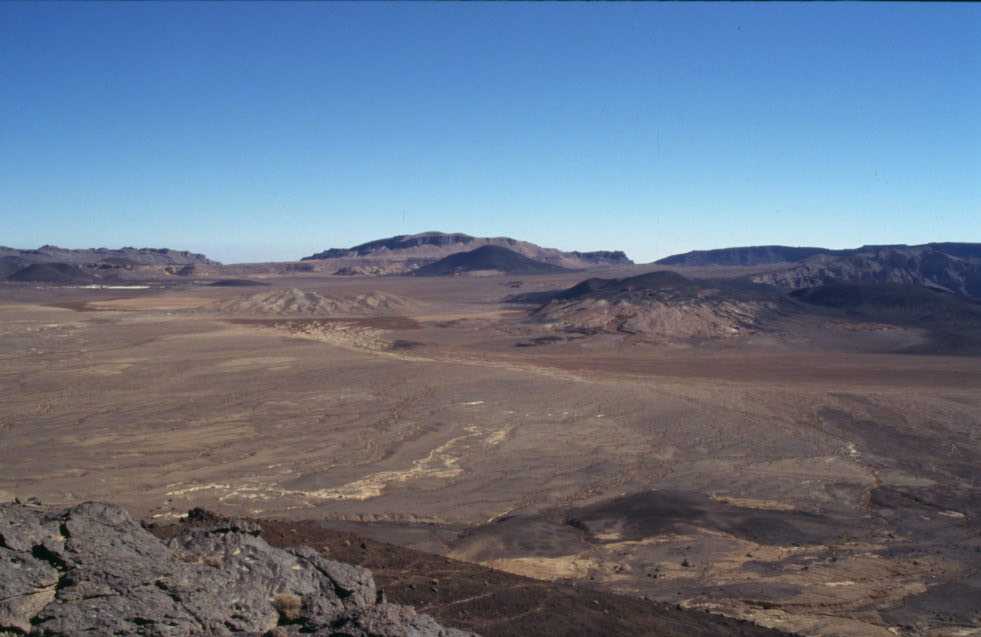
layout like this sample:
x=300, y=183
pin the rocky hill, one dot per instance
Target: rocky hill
x=436, y=245
x=660, y=305
x=92, y=570
x=487, y=258
x=928, y=266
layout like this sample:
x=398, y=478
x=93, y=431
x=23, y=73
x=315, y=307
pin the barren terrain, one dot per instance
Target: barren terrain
x=803, y=473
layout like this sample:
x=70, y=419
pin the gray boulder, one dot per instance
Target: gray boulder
x=92, y=570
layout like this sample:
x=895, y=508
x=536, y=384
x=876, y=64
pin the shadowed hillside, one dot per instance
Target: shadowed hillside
x=51, y=273
x=487, y=258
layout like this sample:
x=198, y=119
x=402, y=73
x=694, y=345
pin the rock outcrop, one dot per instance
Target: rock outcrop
x=92, y=570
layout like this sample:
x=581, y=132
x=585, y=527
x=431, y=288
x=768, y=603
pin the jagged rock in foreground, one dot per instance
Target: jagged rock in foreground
x=92, y=570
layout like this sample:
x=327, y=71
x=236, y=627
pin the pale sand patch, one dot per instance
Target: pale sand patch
x=256, y=362
x=199, y=487
x=753, y=503
x=801, y=623
x=497, y=437
x=546, y=568
x=438, y=464
x=111, y=368
x=148, y=303
x=609, y=536
x=169, y=515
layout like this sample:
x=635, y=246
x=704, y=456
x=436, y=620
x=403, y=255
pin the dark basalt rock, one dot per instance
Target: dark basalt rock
x=92, y=570
x=487, y=258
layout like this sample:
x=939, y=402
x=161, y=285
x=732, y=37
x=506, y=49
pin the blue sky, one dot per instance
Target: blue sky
x=270, y=131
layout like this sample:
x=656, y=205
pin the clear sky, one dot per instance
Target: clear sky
x=271, y=131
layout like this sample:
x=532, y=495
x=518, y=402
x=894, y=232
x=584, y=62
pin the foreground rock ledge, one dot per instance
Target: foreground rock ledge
x=92, y=570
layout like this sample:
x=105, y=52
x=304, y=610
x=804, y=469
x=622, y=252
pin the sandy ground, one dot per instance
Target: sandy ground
x=817, y=483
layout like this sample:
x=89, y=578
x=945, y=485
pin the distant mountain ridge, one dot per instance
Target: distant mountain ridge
x=87, y=256
x=749, y=255
x=51, y=264
x=948, y=266
x=927, y=265
x=436, y=245
x=770, y=254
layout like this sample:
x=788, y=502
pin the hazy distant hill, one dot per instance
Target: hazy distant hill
x=487, y=258
x=51, y=264
x=751, y=255
x=107, y=256
x=435, y=245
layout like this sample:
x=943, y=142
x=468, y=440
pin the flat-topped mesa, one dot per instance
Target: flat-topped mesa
x=436, y=245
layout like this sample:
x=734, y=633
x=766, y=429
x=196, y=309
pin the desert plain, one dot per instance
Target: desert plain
x=820, y=476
